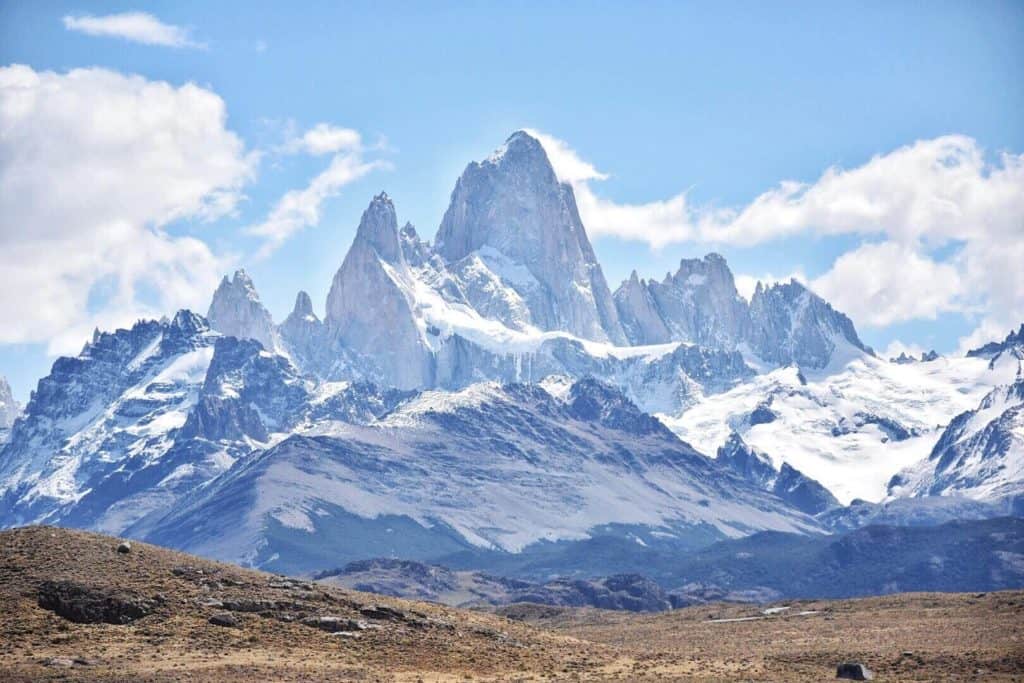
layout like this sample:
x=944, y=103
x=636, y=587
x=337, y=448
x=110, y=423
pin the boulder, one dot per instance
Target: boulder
x=854, y=671
x=224, y=619
x=124, y=547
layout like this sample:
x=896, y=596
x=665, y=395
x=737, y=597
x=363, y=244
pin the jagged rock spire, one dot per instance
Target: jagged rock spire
x=236, y=311
x=378, y=228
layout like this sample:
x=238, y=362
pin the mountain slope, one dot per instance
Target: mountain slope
x=851, y=426
x=980, y=455
x=489, y=469
x=140, y=418
x=788, y=483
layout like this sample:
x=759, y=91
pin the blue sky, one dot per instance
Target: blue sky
x=720, y=101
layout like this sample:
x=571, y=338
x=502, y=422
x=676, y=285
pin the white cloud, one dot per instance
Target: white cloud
x=919, y=198
x=897, y=347
x=879, y=284
x=138, y=27
x=323, y=138
x=299, y=209
x=94, y=165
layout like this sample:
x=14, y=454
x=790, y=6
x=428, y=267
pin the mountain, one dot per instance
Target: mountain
x=783, y=324
x=492, y=470
x=699, y=304
x=850, y=427
x=138, y=419
x=9, y=409
x=1012, y=344
x=878, y=559
x=980, y=455
x=370, y=305
x=511, y=211
x=875, y=560
x=791, y=324
x=487, y=402
x=236, y=311
x=788, y=483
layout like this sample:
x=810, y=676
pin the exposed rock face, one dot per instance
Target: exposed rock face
x=755, y=467
x=236, y=311
x=368, y=306
x=638, y=311
x=9, y=408
x=246, y=394
x=700, y=303
x=513, y=203
x=305, y=338
x=791, y=324
x=788, y=483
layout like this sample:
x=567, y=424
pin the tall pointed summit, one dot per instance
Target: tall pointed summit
x=368, y=307
x=237, y=312
x=513, y=204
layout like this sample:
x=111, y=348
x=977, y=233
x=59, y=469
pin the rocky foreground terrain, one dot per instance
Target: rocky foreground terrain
x=76, y=606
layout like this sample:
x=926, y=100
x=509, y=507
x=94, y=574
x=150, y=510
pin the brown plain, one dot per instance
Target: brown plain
x=909, y=637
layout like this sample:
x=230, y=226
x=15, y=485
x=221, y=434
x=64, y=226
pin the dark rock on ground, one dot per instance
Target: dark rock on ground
x=85, y=605
x=224, y=619
x=854, y=671
x=334, y=624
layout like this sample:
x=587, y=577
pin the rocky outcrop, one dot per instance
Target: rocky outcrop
x=87, y=605
x=700, y=303
x=639, y=313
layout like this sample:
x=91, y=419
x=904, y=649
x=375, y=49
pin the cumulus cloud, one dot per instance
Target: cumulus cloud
x=324, y=138
x=897, y=347
x=879, y=284
x=138, y=27
x=915, y=200
x=94, y=166
x=299, y=209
